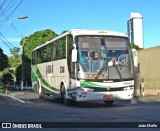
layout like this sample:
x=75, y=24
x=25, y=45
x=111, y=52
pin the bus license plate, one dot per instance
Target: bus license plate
x=108, y=97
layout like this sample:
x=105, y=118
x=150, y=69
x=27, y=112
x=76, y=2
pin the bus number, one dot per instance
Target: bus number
x=49, y=69
x=62, y=69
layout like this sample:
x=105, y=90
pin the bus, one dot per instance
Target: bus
x=74, y=67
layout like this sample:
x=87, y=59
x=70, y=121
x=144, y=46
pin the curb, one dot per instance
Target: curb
x=147, y=99
x=12, y=97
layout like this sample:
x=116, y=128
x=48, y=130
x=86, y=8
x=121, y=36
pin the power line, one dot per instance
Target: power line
x=15, y=8
x=7, y=8
x=4, y=50
x=3, y=7
x=3, y=3
x=6, y=39
x=5, y=43
x=4, y=12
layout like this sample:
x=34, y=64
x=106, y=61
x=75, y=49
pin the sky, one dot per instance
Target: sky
x=60, y=15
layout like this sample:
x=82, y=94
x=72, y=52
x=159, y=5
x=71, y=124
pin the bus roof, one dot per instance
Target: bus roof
x=78, y=32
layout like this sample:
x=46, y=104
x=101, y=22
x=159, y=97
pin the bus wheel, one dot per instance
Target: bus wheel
x=63, y=95
x=40, y=91
x=109, y=103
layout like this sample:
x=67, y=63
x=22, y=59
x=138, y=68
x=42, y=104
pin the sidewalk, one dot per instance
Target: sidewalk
x=145, y=99
x=7, y=98
x=25, y=94
x=14, y=96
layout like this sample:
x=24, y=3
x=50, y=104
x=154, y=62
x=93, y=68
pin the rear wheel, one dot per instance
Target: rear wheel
x=109, y=102
x=63, y=96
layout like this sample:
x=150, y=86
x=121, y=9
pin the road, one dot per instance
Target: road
x=52, y=110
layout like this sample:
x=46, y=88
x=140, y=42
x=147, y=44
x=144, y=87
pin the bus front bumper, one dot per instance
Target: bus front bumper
x=93, y=96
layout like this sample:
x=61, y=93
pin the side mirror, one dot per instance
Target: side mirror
x=74, y=53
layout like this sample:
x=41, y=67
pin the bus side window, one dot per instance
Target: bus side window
x=53, y=52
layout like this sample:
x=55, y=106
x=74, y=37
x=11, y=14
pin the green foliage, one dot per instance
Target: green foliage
x=19, y=74
x=10, y=89
x=64, y=31
x=26, y=71
x=2, y=90
x=37, y=39
x=29, y=43
x=15, y=60
x=7, y=79
x=3, y=60
x=134, y=46
x=12, y=66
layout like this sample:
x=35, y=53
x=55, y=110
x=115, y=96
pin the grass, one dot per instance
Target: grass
x=10, y=89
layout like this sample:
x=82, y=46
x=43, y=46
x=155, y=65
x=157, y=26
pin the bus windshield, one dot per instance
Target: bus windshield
x=96, y=56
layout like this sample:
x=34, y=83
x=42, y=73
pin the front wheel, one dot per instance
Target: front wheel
x=109, y=103
x=63, y=96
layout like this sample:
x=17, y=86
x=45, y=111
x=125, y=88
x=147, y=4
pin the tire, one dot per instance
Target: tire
x=40, y=91
x=109, y=103
x=63, y=96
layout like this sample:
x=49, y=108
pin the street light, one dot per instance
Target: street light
x=10, y=20
x=22, y=17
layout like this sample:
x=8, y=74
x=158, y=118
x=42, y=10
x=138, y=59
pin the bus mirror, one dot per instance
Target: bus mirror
x=74, y=55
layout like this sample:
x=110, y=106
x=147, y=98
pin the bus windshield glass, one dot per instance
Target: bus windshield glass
x=107, y=57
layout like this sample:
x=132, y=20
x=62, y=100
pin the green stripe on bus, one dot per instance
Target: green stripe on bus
x=34, y=77
x=88, y=83
x=98, y=87
x=36, y=70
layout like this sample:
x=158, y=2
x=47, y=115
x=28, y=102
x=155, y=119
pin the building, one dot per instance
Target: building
x=135, y=29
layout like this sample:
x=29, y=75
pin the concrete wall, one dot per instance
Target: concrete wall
x=149, y=70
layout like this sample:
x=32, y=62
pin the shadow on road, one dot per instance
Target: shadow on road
x=117, y=103
x=29, y=96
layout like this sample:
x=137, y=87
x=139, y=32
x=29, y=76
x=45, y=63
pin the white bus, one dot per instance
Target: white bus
x=74, y=67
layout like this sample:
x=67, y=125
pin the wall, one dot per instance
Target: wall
x=149, y=70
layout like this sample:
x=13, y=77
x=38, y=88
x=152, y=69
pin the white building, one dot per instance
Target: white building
x=135, y=29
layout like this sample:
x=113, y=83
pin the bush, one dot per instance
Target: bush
x=7, y=79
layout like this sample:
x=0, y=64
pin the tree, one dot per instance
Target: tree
x=18, y=74
x=29, y=43
x=64, y=31
x=36, y=39
x=7, y=78
x=14, y=61
x=3, y=60
x=134, y=46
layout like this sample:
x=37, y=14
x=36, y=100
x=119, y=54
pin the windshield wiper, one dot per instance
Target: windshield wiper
x=119, y=73
x=101, y=70
x=105, y=65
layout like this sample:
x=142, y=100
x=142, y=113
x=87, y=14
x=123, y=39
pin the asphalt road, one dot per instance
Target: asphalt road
x=48, y=110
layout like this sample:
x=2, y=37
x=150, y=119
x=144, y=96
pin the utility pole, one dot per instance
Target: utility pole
x=22, y=81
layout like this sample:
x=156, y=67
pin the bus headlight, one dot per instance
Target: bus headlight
x=87, y=89
x=128, y=88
